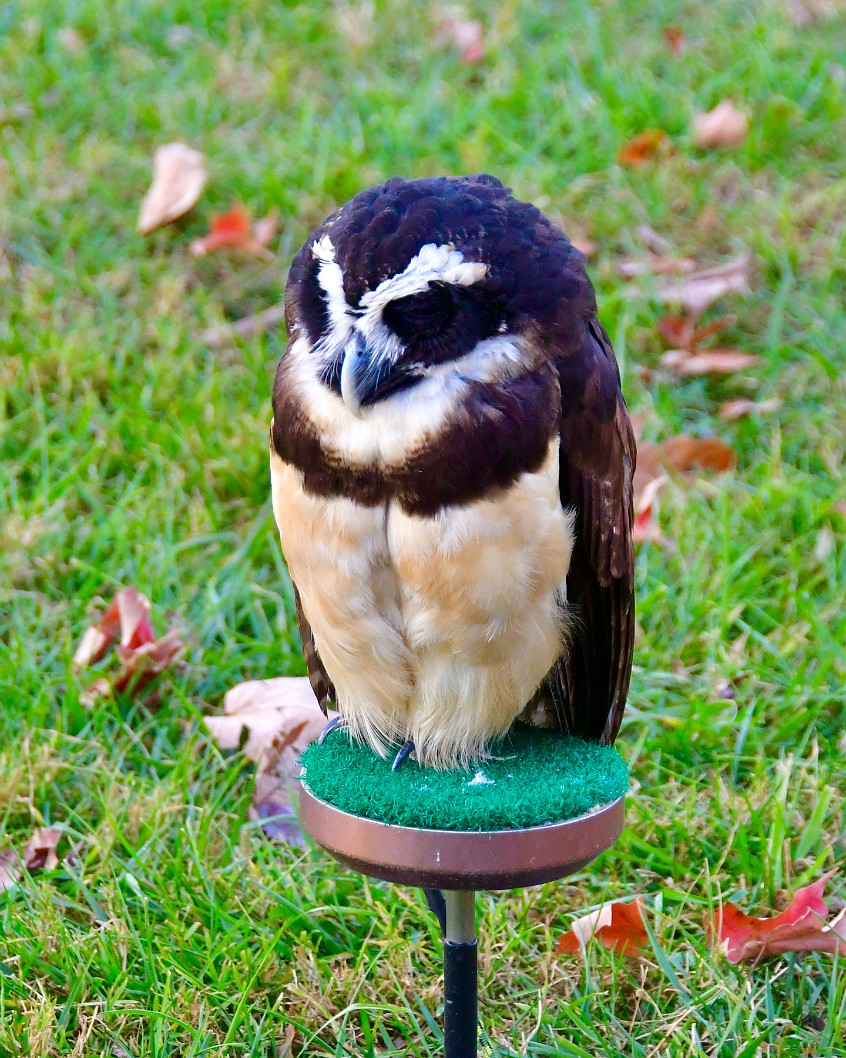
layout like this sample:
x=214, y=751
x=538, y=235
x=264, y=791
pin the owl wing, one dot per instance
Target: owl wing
x=324, y=689
x=590, y=680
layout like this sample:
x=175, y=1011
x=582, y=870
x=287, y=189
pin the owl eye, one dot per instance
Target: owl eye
x=421, y=316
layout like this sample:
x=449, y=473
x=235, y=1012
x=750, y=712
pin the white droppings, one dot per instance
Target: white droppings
x=480, y=779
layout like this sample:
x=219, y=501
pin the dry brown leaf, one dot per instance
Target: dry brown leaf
x=40, y=851
x=244, y=328
x=234, y=231
x=683, y=453
x=731, y=410
x=642, y=148
x=802, y=926
x=724, y=126
x=179, y=176
x=272, y=722
x=700, y=289
x=631, y=267
x=708, y=362
x=584, y=244
x=10, y=868
x=618, y=925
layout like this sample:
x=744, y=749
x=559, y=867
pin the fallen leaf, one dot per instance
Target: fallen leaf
x=466, y=34
x=142, y=656
x=642, y=148
x=802, y=926
x=127, y=616
x=674, y=39
x=645, y=527
x=179, y=175
x=40, y=851
x=731, y=410
x=631, y=267
x=724, y=126
x=825, y=544
x=71, y=40
x=682, y=453
x=244, y=328
x=271, y=722
x=700, y=289
x=618, y=925
x=650, y=238
x=708, y=362
x=233, y=231
x=10, y=869
x=584, y=244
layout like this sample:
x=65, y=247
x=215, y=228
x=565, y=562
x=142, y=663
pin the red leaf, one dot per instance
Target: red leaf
x=642, y=148
x=126, y=616
x=142, y=656
x=232, y=231
x=466, y=34
x=617, y=925
x=802, y=926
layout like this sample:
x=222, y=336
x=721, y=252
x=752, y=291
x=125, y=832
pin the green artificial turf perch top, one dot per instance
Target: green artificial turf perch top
x=532, y=777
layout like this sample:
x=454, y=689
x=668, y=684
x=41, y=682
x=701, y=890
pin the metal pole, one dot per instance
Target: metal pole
x=461, y=999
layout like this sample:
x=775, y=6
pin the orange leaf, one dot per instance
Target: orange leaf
x=724, y=126
x=642, y=148
x=802, y=926
x=617, y=925
x=674, y=39
x=708, y=362
x=231, y=231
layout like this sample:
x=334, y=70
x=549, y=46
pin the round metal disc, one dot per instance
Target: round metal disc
x=461, y=859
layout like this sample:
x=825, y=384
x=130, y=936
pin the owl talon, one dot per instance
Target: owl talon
x=403, y=755
x=330, y=727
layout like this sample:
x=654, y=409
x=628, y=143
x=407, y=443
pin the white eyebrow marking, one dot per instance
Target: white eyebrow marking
x=331, y=281
x=432, y=264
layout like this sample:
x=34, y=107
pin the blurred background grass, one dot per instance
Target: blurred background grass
x=133, y=453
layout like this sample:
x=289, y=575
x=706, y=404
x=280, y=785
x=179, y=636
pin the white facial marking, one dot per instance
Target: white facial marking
x=331, y=280
x=432, y=264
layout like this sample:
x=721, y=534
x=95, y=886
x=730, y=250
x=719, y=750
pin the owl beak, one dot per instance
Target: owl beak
x=355, y=369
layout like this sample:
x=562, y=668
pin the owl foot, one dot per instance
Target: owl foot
x=330, y=727
x=403, y=755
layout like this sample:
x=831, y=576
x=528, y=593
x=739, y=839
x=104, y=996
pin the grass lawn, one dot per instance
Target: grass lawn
x=131, y=453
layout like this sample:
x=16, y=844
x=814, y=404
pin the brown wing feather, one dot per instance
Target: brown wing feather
x=324, y=689
x=590, y=681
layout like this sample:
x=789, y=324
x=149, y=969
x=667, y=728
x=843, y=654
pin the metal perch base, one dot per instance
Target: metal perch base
x=459, y=862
